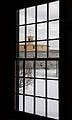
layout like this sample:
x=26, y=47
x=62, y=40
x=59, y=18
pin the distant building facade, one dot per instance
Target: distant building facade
x=41, y=53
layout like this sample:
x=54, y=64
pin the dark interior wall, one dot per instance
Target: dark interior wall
x=7, y=57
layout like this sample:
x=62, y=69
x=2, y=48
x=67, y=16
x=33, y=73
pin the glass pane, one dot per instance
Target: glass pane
x=40, y=73
x=21, y=33
x=20, y=102
x=21, y=50
x=29, y=104
x=29, y=68
x=31, y=15
x=42, y=13
x=52, y=69
x=29, y=86
x=53, y=109
x=30, y=54
x=54, y=10
x=30, y=49
x=21, y=85
x=40, y=69
x=40, y=106
x=30, y=32
x=42, y=31
x=40, y=87
x=52, y=89
x=54, y=48
x=40, y=64
x=41, y=49
x=20, y=68
x=54, y=29
x=21, y=16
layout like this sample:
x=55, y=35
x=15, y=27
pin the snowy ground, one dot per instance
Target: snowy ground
x=52, y=91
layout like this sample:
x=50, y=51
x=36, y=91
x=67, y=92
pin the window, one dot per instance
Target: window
x=37, y=64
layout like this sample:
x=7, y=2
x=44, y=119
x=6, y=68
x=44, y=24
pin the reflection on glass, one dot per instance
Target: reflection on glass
x=52, y=69
x=21, y=85
x=42, y=31
x=31, y=15
x=40, y=87
x=41, y=49
x=21, y=33
x=54, y=48
x=29, y=86
x=52, y=89
x=40, y=106
x=29, y=68
x=54, y=10
x=54, y=29
x=53, y=109
x=20, y=102
x=21, y=16
x=42, y=13
x=30, y=32
x=29, y=103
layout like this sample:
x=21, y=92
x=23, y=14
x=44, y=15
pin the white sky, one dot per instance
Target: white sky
x=41, y=16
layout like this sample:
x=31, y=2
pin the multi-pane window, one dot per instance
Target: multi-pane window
x=37, y=60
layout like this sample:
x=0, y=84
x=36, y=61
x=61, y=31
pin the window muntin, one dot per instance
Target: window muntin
x=40, y=88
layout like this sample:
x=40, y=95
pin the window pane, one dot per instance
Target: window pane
x=30, y=32
x=29, y=68
x=40, y=87
x=21, y=33
x=54, y=29
x=40, y=69
x=40, y=73
x=21, y=85
x=52, y=69
x=52, y=89
x=40, y=106
x=29, y=103
x=42, y=31
x=30, y=49
x=29, y=86
x=22, y=50
x=20, y=68
x=53, y=109
x=54, y=48
x=41, y=49
x=20, y=102
x=42, y=13
x=40, y=64
x=54, y=10
x=30, y=15
x=21, y=16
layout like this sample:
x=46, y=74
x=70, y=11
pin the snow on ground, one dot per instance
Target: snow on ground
x=52, y=91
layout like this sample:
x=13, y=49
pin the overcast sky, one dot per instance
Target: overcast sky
x=41, y=16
